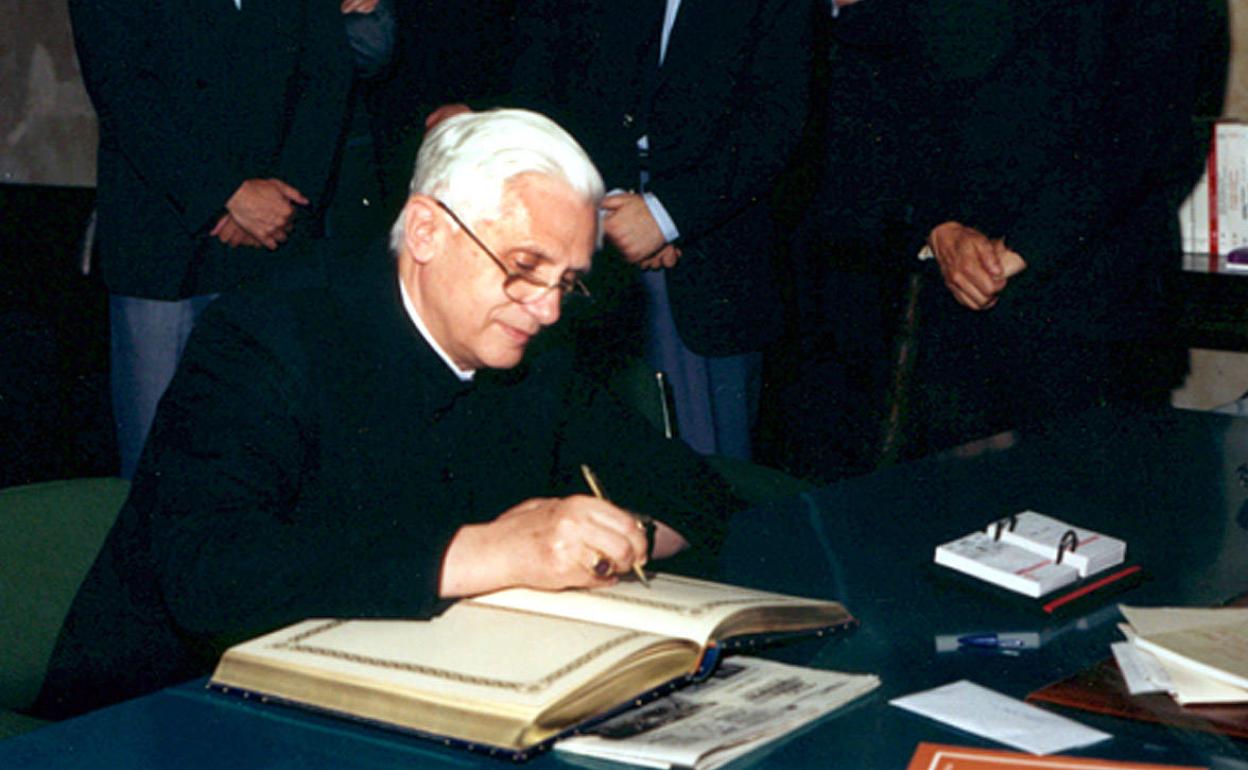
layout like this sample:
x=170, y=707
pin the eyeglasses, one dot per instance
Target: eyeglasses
x=522, y=284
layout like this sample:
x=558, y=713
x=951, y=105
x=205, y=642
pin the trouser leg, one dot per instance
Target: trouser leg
x=147, y=337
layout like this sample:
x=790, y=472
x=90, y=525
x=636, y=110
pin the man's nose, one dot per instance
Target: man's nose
x=546, y=308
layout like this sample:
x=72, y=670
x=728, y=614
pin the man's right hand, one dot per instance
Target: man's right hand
x=548, y=543
x=631, y=228
x=265, y=208
x=229, y=232
x=975, y=267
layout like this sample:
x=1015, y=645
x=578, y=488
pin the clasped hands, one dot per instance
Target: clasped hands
x=976, y=268
x=550, y=543
x=259, y=214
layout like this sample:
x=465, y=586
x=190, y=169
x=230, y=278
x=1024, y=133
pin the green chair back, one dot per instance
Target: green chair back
x=13, y=723
x=50, y=534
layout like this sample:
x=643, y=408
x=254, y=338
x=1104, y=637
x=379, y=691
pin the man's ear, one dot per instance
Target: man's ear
x=424, y=228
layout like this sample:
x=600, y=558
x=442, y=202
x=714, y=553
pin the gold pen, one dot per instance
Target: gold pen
x=592, y=481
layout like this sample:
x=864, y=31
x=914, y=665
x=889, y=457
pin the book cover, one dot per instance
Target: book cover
x=507, y=678
x=938, y=756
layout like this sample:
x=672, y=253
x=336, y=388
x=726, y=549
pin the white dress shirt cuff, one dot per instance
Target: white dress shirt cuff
x=661, y=217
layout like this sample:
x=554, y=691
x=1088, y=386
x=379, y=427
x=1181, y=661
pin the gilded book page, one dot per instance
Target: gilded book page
x=475, y=673
x=676, y=606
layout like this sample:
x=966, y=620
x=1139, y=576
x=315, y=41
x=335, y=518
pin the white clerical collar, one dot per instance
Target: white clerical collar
x=464, y=375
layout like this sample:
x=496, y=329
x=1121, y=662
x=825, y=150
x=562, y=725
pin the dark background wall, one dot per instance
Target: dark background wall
x=55, y=420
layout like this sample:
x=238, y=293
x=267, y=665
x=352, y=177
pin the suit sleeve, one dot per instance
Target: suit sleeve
x=237, y=550
x=1147, y=149
x=322, y=87
x=1129, y=145
x=121, y=46
x=533, y=73
x=756, y=133
x=647, y=473
x=555, y=46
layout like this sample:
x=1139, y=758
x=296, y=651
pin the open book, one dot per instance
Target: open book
x=510, y=671
x=1032, y=554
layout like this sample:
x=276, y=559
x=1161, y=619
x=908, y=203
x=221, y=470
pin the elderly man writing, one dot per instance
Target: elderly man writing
x=374, y=449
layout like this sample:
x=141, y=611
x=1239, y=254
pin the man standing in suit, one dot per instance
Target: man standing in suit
x=219, y=124
x=1040, y=152
x=691, y=109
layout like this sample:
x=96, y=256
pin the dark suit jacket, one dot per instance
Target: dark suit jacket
x=1066, y=128
x=194, y=97
x=722, y=115
x=314, y=457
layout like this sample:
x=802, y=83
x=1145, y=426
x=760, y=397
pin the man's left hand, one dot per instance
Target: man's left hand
x=631, y=228
x=665, y=259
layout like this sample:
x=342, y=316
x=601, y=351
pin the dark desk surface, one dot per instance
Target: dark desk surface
x=1166, y=483
x=1212, y=309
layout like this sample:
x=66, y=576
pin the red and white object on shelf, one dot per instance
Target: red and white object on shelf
x=1214, y=218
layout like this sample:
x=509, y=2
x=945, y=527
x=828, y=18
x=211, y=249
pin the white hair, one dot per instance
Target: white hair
x=467, y=160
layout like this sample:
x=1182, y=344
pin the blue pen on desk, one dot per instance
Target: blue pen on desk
x=992, y=641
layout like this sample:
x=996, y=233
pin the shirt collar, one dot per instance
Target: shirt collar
x=464, y=375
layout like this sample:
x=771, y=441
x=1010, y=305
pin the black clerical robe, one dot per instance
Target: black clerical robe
x=314, y=457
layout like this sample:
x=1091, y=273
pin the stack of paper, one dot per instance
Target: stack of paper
x=1196, y=655
x=748, y=703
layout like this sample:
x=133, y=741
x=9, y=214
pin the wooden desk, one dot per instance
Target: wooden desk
x=1167, y=483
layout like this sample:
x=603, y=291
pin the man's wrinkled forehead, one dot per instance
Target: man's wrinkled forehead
x=533, y=197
